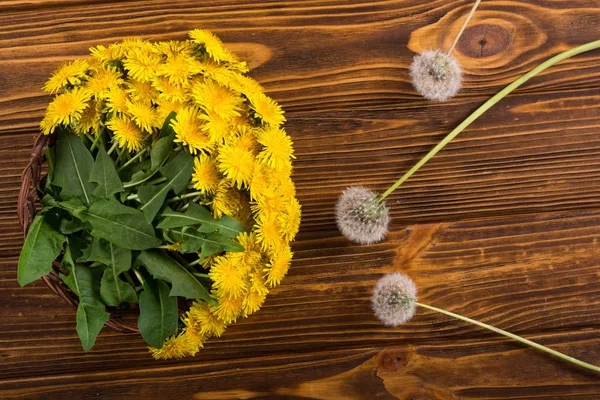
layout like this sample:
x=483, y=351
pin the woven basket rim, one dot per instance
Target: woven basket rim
x=31, y=177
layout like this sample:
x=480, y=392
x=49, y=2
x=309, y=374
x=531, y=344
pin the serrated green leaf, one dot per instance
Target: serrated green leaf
x=152, y=198
x=90, y=321
x=183, y=283
x=42, y=245
x=178, y=171
x=161, y=149
x=158, y=313
x=74, y=164
x=140, y=177
x=124, y=226
x=105, y=175
x=114, y=291
x=85, y=283
x=192, y=240
x=198, y=215
x=82, y=280
x=167, y=129
x=68, y=226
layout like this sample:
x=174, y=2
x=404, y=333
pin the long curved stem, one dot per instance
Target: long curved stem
x=464, y=25
x=488, y=104
x=515, y=337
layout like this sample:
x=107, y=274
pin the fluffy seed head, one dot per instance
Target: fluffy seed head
x=394, y=299
x=360, y=217
x=436, y=75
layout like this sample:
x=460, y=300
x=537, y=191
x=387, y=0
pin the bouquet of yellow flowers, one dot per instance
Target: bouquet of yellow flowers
x=168, y=186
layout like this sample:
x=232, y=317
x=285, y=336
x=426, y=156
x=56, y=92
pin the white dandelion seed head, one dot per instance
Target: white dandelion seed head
x=436, y=75
x=360, y=217
x=394, y=299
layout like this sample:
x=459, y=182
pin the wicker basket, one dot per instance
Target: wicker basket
x=29, y=196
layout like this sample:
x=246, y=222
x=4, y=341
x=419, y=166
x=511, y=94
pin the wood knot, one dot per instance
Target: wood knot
x=394, y=360
x=484, y=40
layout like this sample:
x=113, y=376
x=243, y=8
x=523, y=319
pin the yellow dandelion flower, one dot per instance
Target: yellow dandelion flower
x=103, y=80
x=91, y=119
x=268, y=231
x=179, y=68
x=266, y=109
x=229, y=308
x=243, y=211
x=244, y=84
x=142, y=92
x=143, y=114
x=142, y=62
x=169, y=91
x=188, y=129
x=175, y=347
x=67, y=74
x=174, y=246
x=164, y=108
x=250, y=259
x=218, y=129
x=221, y=74
x=68, y=107
x=47, y=124
x=203, y=318
x=174, y=48
x=106, y=54
x=227, y=278
x=289, y=219
x=224, y=202
x=126, y=133
x=116, y=100
x=278, y=266
x=259, y=182
x=212, y=44
x=206, y=176
x=278, y=147
x=246, y=139
x=134, y=43
x=212, y=97
x=257, y=293
x=236, y=164
x=268, y=201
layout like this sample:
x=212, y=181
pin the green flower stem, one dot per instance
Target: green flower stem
x=132, y=159
x=122, y=151
x=129, y=279
x=139, y=276
x=97, y=139
x=194, y=263
x=157, y=180
x=183, y=196
x=112, y=148
x=132, y=197
x=487, y=105
x=199, y=275
x=513, y=336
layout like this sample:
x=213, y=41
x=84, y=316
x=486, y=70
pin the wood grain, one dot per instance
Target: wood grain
x=501, y=226
x=531, y=153
x=314, y=54
x=528, y=274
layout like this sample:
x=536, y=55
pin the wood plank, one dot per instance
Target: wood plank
x=530, y=274
x=468, y=369
x=344, y=54
x=532, y=153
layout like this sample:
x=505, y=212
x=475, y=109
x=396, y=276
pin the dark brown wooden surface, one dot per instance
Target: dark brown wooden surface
x=502, y=226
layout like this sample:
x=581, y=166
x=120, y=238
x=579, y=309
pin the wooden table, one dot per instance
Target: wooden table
x=502, y=226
